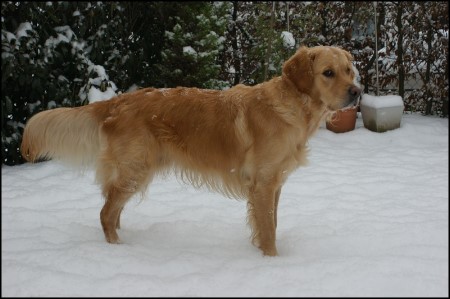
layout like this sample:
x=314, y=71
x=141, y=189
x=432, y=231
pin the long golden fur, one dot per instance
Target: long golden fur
x=243, y=142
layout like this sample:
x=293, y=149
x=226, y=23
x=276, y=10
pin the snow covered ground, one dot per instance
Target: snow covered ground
x=367, y=217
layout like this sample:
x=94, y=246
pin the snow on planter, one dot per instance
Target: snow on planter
x=381, y=113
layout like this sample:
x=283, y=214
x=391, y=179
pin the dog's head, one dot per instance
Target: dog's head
x=324, y=73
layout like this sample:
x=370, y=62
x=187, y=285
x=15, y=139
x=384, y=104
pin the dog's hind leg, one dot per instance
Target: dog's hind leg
x=119, y=182
x=110, y=213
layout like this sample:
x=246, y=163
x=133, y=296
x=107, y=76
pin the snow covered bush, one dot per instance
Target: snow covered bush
x=44, y=65
x=192, y=42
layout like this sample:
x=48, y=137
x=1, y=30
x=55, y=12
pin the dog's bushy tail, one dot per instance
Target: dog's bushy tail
x=67, y=134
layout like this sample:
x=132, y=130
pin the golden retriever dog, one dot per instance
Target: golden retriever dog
x=243, y=142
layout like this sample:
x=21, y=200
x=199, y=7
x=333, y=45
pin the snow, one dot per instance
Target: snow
x=367, y=217
x=95, y=94
x=188, y=50
x=381, y=101
x=8, y=36
x=22, y=29
x=65, y=34
x=100, y=71
x=288, y=39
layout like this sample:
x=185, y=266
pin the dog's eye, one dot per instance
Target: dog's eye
x=328, y=73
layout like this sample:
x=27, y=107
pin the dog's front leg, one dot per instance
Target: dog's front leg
x=277, y=198
x=261, y=205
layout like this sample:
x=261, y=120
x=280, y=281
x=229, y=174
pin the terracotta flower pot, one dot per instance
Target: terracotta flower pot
x=343, y=120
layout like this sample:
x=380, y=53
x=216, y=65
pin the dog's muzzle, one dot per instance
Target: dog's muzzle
x=353, y=96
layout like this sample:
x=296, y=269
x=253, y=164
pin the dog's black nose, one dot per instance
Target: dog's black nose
x=354, y=92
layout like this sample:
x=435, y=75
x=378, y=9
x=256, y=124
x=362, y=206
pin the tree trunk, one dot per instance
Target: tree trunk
x=369, y=65
x=401, y=68
x=428, y=94
x=269, y=45
x=234, y=45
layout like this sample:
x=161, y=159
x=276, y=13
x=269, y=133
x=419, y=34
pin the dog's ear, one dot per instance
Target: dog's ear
x=298, y=69
x=349, y=56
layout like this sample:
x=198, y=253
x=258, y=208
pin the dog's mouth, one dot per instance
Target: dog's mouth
x=346, y=105
x=353, y=99
x=352, y=103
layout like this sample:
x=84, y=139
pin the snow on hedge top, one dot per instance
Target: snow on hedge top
x=382, y=101
x=96, y=95
x=22, y=29
x=188, y=50
x=288, y=39
x=65, y=35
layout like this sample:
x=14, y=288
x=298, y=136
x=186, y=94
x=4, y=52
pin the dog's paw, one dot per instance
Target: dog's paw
x=269, y=251
x=113, y=239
